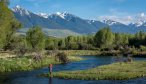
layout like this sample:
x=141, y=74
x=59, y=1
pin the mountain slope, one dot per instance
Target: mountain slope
x=54, y=21
x=119, y=27
x=72, y=23
x=29, y=19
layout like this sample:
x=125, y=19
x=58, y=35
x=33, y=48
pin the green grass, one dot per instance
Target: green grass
x=81, y=52
x=27, y=64
x=115, y=71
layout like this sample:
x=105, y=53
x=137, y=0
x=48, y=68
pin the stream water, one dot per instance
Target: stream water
x=31, y=77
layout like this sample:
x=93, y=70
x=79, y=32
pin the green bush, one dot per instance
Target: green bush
x=62, y=57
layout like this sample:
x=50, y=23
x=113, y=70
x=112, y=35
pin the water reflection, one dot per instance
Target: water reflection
x=50, y=80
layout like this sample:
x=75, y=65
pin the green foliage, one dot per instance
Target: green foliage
x=51, y=43
x=121, y=39
x=61, y=44
x=73, y=46
x=62, y=57
x=85, y=46
x=8, y=25
x=138, y=39
x=140, y=35
x=104, y=38
x=35, y=38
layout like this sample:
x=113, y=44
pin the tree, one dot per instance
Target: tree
x=8, y=25
x=73, y=45
x=104, y=38
x=10, y=34
x=20, y=45
x=62, y=44
x=49, y=43
x=140, y=35
x=35, y=38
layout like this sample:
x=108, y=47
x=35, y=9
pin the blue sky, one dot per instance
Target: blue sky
x=88, y=9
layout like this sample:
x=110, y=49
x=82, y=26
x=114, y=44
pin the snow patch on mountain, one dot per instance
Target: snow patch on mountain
x=45, y=15
x=21, y=10
x=109, y=22
x=139, y=20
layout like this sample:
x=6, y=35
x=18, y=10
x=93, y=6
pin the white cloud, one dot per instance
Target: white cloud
x=142, y=14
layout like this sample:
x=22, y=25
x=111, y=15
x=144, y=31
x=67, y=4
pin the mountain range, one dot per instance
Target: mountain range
x=72, y=24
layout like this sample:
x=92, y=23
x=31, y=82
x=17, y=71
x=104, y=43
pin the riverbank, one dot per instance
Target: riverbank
x=10, y=62
x=115, y=71
x=28, y=64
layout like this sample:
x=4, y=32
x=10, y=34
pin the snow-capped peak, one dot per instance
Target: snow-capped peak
x=139, y=20
x=91, y=21
x=58, y=13
x=109, y=21
x=63, y=14
x=17, y=6
x=21, y=10
x=45, y=15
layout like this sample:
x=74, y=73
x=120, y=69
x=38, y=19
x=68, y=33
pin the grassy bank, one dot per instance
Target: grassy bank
x=9, y=61
x=116, y=71
x=23, y=64
x=27, y=64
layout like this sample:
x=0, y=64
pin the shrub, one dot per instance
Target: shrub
x=62, y=57
x=37, y=57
